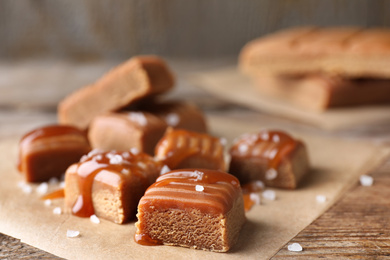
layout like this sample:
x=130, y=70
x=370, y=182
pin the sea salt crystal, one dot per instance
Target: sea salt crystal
x=199, y=188
x=84, y=158
x=125, y=171
x=366, y=180
x=47, y=202
x=134, y=150
x=265, y=136
x=269, y=194
x=25, y=187
x=276, y=138
x=42, y=188
x=271, y=174
x=259, y=184
x=139, y=118
x=116, y=159
x=255, y=198
x=164, y=170
x=57, y=211
x=53, y=181
x=126, y=155
x=98, y=157
x=223, y=141
x=72, y=233
x=294, y=247
x=94, y=152
x=141, y=165
x=243, y=148
x=321, y=198
x=62, y=184
x=172, y=119
x=94, y=219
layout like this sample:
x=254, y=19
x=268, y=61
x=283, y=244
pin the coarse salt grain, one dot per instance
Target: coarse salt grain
x=172, y=119
x=164, y=170
x=255, y=198
x=321, y=198
x=126, y=155
x=269, y=194
x=134, y=150
x=141, y=165
x=294, y=247
x=47, y=202
x=366, y=180
x=25, y=187
x=276, y=138
x=243, y=148
x=199, y=188
x=94, y=152
x=62, y=184
x=125, y=171
x=139, y=117
x=42, y=188
x=72, y=233
x=84, y=158
x=53, y=181
x=116, y=159
x=94, y=219
x=57, y=211
x=259, y=184
x=271, y=174
x=223, y=141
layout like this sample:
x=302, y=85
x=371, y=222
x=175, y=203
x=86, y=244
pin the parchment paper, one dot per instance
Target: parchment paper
x=336, y=167
x=228, y=84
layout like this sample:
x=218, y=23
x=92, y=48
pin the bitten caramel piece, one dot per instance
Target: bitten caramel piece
x=320, y=92
x=180, y=149
x=346, y=51
x=273, y=157
x=181, y=115
x=140, y=77
x=109, y=184
x=48, y=151
x=126, y=130
x=201, y=209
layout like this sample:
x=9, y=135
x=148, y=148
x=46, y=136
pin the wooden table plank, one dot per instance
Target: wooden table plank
x=357, y=226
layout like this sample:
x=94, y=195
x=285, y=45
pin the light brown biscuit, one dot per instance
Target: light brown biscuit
x=139, y=77
x=345, y=51
x=321, y=92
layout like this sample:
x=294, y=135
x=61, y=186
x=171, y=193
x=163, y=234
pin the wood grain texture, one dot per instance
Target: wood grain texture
x=12, y=248
x=356, y=227
x=193, y=28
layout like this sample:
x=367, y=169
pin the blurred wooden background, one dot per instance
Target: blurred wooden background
x=93, y=29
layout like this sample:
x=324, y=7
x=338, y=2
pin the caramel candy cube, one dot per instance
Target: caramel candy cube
x=109, y=184
x=179, y=149
x=126, y=130
x=138, y=78
x=200, y=209
x=48, y=151
x=273, y=157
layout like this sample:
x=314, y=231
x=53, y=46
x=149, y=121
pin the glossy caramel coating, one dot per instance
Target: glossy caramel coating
x=47, y=152
x=121, y=176
x=205, y=208
x=180, y=149
x=273, y=157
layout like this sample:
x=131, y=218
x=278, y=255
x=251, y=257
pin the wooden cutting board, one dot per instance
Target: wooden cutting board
x=336, y=165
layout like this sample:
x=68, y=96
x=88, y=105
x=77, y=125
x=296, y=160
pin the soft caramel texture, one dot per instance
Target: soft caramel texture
x=345, y=51
x=109, y=184
x=180, y=149
x=174, y=212
x=137, y=78
x=48, y=151
x=255, y=156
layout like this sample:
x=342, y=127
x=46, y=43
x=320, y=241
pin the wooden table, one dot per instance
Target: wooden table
x=356, y=226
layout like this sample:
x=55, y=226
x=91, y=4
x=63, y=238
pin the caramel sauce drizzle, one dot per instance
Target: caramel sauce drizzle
x=276, y=145
x=58, y=194
x=184, y=182
x=120, y=162
x=45, y=132
x=178, y=144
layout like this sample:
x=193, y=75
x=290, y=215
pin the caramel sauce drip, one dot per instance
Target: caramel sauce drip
x=120, y=162
x=45, y=132
x=249, y=188
x=248, y=203
x=178, y=190
x=58, y=194
x=272, y=145
x=178, y=145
